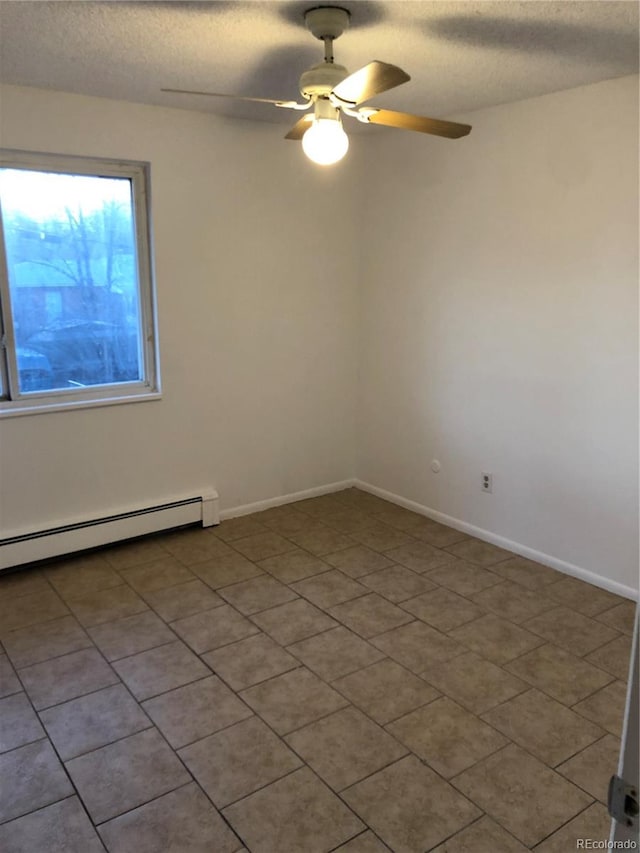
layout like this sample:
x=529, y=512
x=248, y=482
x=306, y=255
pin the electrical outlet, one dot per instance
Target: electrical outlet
x=487, y=482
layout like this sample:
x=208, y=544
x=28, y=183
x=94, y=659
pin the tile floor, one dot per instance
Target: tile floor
x=336, y=674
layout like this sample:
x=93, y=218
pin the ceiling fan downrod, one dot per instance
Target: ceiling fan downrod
x=326, y=23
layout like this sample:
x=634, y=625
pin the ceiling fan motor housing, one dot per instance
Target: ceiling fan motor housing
x=321, y=79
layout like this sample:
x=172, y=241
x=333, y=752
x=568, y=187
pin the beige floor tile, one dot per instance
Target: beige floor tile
x=295, y=813
x=606, y=707
x=93, y=721
x=366, y=842
x=19, y=724
x=239, y=528
x=509, y=782
x=496, y=639
x=370, y=615
x=59, y=828
x=321, y=540
x=292, y=700
x=294, y=566
x=76, y=576
x=155, y=671
x=513, y=601
x=583, y=597
x=443, y=609
x=614, y=657
x=226, y=569
x=195, y=710
x=194, y=546
x=358, y=560
x=133, y=553
x=592, y=768
x=250, y=661
x=381, y=537
x=345, y=747
x=186, y=599
x=421, y=557
x=284, y=519
x=320, y=506
x=37, y=779
x=364, y=500
x=126, y=774
x=294, y=621
x=257, y=594
x=437, y=534
x=475, y=683
x=401, y=518
x=335, y=653
x=417, y=646
x=397, y=583
x=22, y=582
x=106, y=605
x=27, y=610
x=48, y=640
x=262, y=545
x=570, y=630
x=557, y=672
x=237, y=761
x=157, y=574
x=479, y=552
x=593, y=823
x=620, y=618
x=58, y=680
x=446, y=736
x=213, y=628
x=348, y=520
x=131, y=635
x=385, y=690
x=9, y=683
x=409, y=806
x=483, y=836
x=545, y=728
x=464, y=578
x=329, y=589
x=183, y=821
x=527, y=573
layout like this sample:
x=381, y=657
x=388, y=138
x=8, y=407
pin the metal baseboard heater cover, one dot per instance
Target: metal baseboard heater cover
x=20, y=548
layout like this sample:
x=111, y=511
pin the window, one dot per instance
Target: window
x=76, y=297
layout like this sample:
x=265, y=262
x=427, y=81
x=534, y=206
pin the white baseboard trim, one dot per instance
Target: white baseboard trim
x=258, y=506
x=502, y=542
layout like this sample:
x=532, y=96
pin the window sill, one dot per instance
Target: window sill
x=19, y=409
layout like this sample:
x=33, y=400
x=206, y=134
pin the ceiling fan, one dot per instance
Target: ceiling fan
x=331, y=91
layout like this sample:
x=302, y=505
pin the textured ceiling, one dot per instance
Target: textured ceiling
x=461, y=55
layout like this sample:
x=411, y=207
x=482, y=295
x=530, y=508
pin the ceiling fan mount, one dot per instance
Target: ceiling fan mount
x=332, y=92
x=327, y=22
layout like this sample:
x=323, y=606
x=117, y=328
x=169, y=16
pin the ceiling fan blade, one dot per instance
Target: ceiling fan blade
x=407, y=121
x=299, y=128
x=292, y=105
x=372, y=79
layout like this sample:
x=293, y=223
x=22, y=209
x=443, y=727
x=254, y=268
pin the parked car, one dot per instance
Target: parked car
x=87, y=352
x=34, y=370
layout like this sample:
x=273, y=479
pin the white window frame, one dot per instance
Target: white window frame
x=12, y=400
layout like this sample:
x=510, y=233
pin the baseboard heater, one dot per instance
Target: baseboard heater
x=19, y=548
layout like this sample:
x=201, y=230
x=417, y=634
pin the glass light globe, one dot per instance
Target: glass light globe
x=325, y=142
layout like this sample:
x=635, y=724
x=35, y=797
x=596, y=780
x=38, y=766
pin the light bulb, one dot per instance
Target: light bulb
x=325, y=142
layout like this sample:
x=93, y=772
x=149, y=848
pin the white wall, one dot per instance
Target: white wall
x=500, y=324
x=256, y=319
